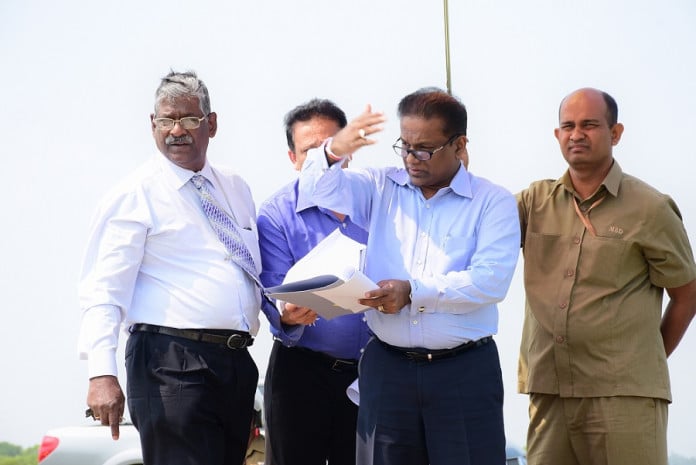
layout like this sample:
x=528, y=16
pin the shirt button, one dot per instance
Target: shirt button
x=415, y=322
x=569, y=272
x=563, y=304
x=576, y=240
x=421, y=309
x=560, y=339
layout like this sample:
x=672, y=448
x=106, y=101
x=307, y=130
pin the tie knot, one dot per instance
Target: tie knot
x=198, y=180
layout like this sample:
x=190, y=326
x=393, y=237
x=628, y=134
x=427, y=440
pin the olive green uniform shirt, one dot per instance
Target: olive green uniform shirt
x=594, y=304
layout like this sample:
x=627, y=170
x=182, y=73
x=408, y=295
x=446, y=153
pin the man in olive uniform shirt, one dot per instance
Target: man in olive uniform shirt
x=600, y=247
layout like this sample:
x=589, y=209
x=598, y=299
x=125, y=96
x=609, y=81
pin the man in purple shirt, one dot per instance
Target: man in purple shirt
x=306, y=381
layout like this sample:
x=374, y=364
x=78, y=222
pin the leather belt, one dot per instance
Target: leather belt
x=229, y=338
x=427, y=355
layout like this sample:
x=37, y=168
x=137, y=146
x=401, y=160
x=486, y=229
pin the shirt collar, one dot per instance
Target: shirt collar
x=611, y=182
x=613, y=179
x=460, y=184
x=179, y=176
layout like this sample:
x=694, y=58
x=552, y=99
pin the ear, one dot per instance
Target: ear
x=461, y=151
x=616, y=133
x=556, y=133
x=460, y=144
x=292, y=157
x=464, y=157
x=212, y=124
x=152, y=123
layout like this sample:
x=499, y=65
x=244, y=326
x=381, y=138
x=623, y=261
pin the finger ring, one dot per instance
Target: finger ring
x=90, y=413
x=361, y=133
x=381, y=308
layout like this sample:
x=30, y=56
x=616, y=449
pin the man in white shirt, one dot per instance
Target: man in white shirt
x=155, y=264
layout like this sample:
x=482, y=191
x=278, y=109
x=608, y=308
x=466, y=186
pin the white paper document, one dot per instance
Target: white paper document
x=353, y=392
x=328, y=279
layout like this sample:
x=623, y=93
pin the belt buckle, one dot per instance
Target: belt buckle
x=236, y=341
x=418, y=356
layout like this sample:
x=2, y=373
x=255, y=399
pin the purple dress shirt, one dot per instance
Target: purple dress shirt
x=289, y=227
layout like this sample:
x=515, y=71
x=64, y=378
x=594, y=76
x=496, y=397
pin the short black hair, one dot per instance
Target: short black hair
x=612, y=109
x=431, y=102
x=316, y=107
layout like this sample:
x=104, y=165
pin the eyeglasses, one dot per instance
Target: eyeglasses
x=188, y=122
x=420, y=154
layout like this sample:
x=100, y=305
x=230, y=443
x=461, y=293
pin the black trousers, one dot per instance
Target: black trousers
x=309, y=418
x=192, y=402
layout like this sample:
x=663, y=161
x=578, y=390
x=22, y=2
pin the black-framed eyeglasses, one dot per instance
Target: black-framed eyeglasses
x=420, y=154
x=188, y=122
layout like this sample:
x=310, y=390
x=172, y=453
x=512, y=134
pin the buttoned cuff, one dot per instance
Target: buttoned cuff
x=102, y=363
x=419, y=298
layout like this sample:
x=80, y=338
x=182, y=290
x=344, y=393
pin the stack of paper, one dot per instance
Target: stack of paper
x=329, y=279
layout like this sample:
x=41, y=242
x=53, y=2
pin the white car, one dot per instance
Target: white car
x=92, y=444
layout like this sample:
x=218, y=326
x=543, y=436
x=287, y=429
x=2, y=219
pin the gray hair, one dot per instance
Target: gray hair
x=185, y=84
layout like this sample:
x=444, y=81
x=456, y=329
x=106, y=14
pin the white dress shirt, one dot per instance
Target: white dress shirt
x=458, y=248
x=152, y=257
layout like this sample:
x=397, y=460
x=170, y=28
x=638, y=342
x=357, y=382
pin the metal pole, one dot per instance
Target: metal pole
x=447, y=49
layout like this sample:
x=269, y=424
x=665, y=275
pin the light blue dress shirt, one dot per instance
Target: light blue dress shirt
x=458, y=249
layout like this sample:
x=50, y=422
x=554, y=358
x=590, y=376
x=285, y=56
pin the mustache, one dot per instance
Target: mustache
x=185, y=139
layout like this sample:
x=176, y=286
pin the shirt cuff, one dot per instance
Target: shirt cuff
x=102, y=363
x=287, y=334
x=419, y=298
x=99, y=334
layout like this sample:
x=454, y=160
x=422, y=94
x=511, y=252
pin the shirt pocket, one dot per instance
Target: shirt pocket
x=601, y=262
x=251, y=239
x=596, y=261
x=458, y=252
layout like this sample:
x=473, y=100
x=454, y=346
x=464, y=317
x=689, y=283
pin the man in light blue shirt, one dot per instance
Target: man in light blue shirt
x=442, y=247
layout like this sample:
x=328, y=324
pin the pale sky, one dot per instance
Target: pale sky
x=78, y=79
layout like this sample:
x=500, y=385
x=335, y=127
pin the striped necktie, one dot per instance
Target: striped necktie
x=225, y=229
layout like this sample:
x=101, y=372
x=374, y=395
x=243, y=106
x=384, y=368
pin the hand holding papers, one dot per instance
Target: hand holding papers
x=328, y=279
